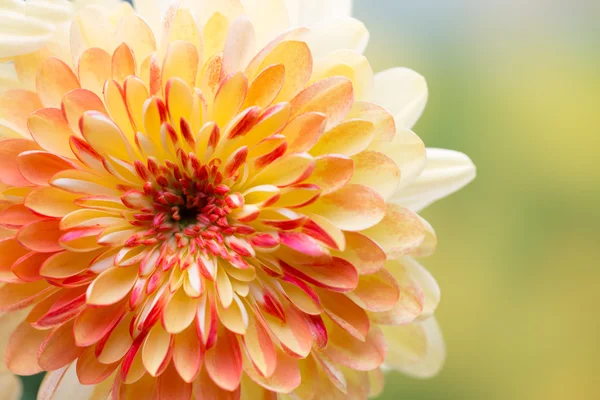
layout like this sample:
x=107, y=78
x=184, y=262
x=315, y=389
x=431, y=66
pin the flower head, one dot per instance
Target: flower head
x=214, y=201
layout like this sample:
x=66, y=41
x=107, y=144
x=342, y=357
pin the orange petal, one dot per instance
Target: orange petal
x=345, y=349
x=223, y=361
x=206, y=389
x=339, y=275
x=118, y=343
x=21, y=352
x=145, y=388
x=10, y=251
x=10, y=149
x=260, y=347
x=349, y=316
x=54, y=80
x=122, y=63
x=66, y=264
x=90, y=371
x=156, y=351
x=38, y=167
x=51, y=201
x=111, y=286
x=229, y=98
x=332, y=97
x=301, y=295
x=294, y=334
x=27, y=268
x=58, y=349
x=188, y=354
x=376, y=292
x=92, y=324
x=382, y=120
x=16, y=105
x=297, y=60
x=332, y=171
x=50, y=129
x=399, y=232
x=94, y=69
x=265, y=88
x=78, y=101
x=419, y=294
x=348, y=138
x=377, y=171
x=363, y=253
x=41, y=236
x=284, y=379
x=171, y=386
x=304, y=131
x=324, y=231
x=351, y=208
x=18, y=296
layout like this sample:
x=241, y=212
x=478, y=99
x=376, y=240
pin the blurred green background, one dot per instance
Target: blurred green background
x=516, y=85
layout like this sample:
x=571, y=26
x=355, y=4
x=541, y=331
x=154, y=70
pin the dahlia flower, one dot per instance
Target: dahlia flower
x=211, y=200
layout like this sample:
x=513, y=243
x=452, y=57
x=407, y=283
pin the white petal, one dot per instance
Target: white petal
x=27, y=26
x=408, y=152
x=446, y=172
x=8, y=77
x=427, y=283
x=403, y=92
x=339, y=34
x=12, y=389
x=416, y=349
x=64, y=384
x=269, y=17
x=310, y=12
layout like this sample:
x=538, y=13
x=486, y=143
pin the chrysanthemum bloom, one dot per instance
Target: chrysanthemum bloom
x=212, y=200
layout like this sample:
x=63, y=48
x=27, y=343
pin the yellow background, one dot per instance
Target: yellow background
x=516, y=85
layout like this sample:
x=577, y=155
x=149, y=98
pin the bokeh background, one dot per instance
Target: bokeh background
x=516, y=85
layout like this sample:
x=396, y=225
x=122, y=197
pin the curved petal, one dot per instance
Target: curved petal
x=446, y=172
x=403, y=92
x=417, y=349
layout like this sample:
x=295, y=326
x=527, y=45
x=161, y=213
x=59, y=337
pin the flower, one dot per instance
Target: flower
x=212, y=199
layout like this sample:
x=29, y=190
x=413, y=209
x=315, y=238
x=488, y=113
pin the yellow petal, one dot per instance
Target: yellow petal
x=399, y=232
x=94, y=69
x=417, y=349
x=332, y=97
x=377, y=171
x=351, y=208
x=348, y=138
x=134, y=31
x=181, y=61
x=54, y=80
x=111, y=286
x=350, y=64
